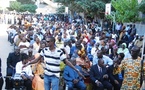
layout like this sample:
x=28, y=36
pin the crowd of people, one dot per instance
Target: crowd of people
x=49, y=51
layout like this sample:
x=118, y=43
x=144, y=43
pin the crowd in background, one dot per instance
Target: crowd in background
x=87, y=44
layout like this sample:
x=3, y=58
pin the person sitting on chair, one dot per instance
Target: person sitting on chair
x=72, y=78
x=12, y=60
x=38, y=71
x=99, y=76
x=26, y=72
x=116, y=79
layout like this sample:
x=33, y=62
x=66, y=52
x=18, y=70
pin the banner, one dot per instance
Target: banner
x=108, y=9
x=66, y=10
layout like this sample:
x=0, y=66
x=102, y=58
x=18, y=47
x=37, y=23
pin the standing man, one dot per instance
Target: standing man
x=132, y=70
x=52, y=58
x=1, y=79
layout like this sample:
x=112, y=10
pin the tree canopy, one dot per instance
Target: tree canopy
x=26, y=1
x=142, y=6
x=21, y=7
x=89, y=7
x=14, y=5
x=126, y=10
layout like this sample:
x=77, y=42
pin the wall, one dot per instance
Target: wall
x=140, y=29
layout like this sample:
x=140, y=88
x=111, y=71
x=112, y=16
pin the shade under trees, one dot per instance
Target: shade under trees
x=88, y=7
x=23, y=6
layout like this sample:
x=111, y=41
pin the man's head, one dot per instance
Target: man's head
x=73, y=61
x=24, y=58
x=37, y=40
x=101, y=62
x=100, y=54
x=121, y=56
x=50, y=41
x=24, y=39
x=141, y=38
x=124, y=45
x=117, y=61
x=42, y=45
x=78, y=45
x=135, y=52
x=92, y=42
x=17, y=50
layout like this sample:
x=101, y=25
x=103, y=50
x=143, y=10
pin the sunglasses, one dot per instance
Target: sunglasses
x=48, y=41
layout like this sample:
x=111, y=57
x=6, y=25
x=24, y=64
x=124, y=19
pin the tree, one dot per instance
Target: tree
x=19, y=7
x=28, y=7
x=14, y=5
x=88, y=7
x=92, y=7
x=142, y=6
x=126, y=10
x=60, y=10
x=26, y=1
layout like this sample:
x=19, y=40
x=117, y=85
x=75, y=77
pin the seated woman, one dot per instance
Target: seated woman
x=26, y=72
x=83, y=61
x=38, y=82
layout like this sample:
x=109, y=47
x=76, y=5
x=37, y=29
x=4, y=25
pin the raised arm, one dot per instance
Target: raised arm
x=33, y=61
x=72, y=66
x=118, y=68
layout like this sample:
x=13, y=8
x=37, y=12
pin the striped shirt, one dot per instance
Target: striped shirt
x=52, y=61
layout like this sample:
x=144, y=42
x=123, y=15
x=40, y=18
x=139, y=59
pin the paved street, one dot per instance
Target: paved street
x=5, y=48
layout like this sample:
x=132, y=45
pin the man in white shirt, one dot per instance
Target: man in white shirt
x=26, y=72
x=107, y=61
x=24, y=45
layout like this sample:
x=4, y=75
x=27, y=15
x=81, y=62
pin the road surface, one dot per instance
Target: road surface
x=5, y=48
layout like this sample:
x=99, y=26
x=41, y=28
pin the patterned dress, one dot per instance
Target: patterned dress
x=132, y=70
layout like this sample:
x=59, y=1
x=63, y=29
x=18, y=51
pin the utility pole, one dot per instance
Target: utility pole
x=114, y=21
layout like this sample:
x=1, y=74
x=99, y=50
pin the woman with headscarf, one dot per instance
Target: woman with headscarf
x=83, y=61
x=38, y=82
x=124, y=49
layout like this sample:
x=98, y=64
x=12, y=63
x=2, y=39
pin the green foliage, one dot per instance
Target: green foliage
x=28, y=7
x=65, y=2
x=60, y=10
x=92, y=8
x=126, y=10
x=26, y=1
x=89, y=7
x=14, y=5
x=142, y=6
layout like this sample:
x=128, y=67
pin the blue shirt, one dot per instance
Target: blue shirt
x=106, y=59
x=70, y=74
x=89, y=48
